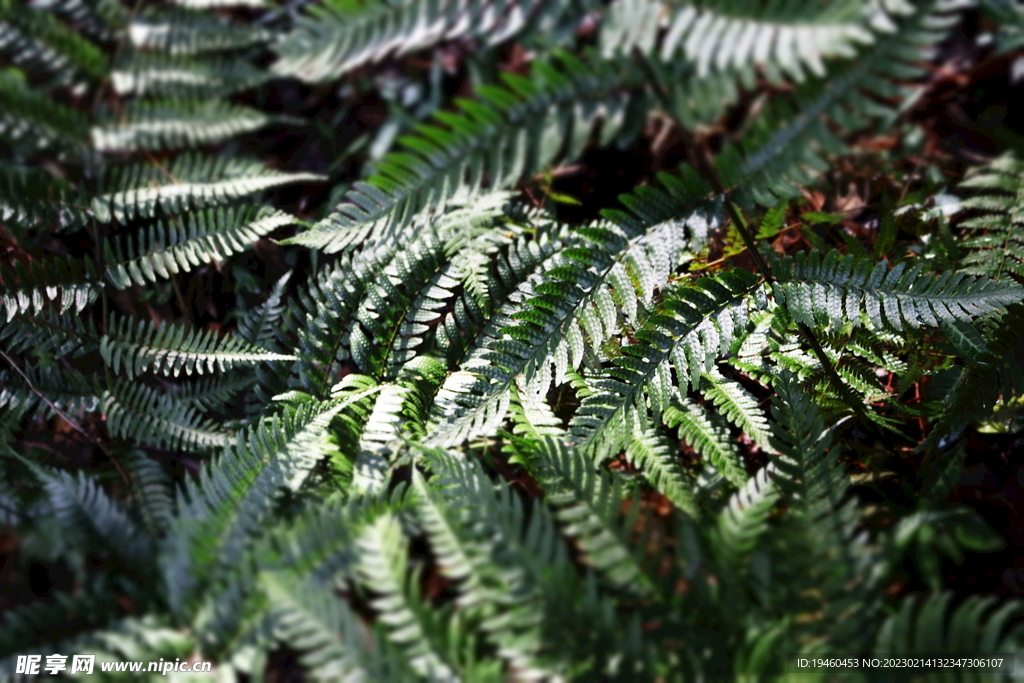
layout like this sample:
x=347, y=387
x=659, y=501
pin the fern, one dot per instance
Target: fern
x=996, y=201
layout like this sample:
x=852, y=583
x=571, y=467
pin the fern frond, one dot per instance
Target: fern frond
x=736, y=403
x=587, y=502
x=993, y=374
x=660, y=462
x=511, y=131
x=50, y=334
x=33, y=199
x=998, y=204
x=787, y=39
x=32, y=122
x=190, y=181
x=180, y=123
x=40, y=42
x=28, y=288
x=236, y=492
x=171, y=349
x=692, y=327
x=834, y=290
x=929, y=626
x=68, y=391
x=156, y=74
x=180, y=245
x=708, y=434
x=332, y=39
x=140, y=414
x=178, y=31
x=383, y=568
x=333, y=643
x=743, y=521
x=152, y=494
x=43, y=623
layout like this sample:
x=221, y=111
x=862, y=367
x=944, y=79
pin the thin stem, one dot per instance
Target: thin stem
x=74, y=425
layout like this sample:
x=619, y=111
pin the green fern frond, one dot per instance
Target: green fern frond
x=237, y=491
x=32, y=199
x=44, y=623
x=190, y=181
x=736, y=403
x=171, y=349
x=156, y=74
x=178, y=31
x=787, y=39
x=834, y=290
x=929, y=626
x=661, y=464
x=383, y=568
x=152, y=494
x=333, y=643
x=177, y=246
x=28, y=288
x=32, y=122
x=50, y=334
x=180, y=123
x=743, y=521
x=69, y=391
x=511, y=131
x=707, y=434
x=143, y=415
x=997, y=204
x=692, y=327
x=587, y=501
x=38, y=41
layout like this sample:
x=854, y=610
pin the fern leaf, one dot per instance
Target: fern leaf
x=181, y=245
x=178, y=31
x=694, y=325
x=178, y=123
x=662, y=466
x=171, y=349
x=236, y=492
x=743, y=521
x=997, y=202
x=736, y=403
x=152, y=494
x=34, y=200
x=183, y=78
x=50, y=334
x=707, y=434
x=190, y=181
x=835, y=289
x=46, y=389
x=143, y=415
x=26, y=288
x=929, y=626
x=514, y=130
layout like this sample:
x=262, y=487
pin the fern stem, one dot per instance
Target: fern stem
x=74, y=425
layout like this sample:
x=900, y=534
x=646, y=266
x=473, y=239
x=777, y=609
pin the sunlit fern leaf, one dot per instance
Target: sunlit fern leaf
x=190, y=181
x=160, y=250
x=834, y=290
x=931, y=627
x=338, y=36
x=155, y=74
x=177, y=31
x=32, y=122
x=786, y=39
x=734, y=402
x=661, y=463
x=510, y=131
x=707, y=434
x=334, y=644
x=587, y=501
x=38, y=41
x=996, y=244
x=214, y=394
x=210, y=4
x=692, y=327
x=50, y=334
x=235, y=493
x=32, y=199
x=142, y=415
x=44, y=390
x=180, y=123
x=400, y=410
x=171, y=349
x=30, y=288
x=384, y=568
x=554, y=319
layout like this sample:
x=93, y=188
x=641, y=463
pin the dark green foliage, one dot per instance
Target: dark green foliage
x=461, y=439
